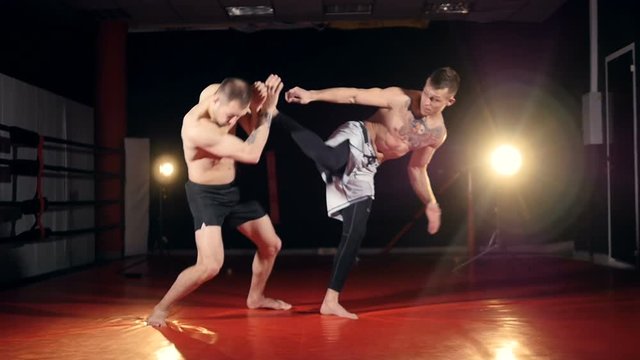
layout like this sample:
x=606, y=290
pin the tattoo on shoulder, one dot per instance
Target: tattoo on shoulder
x=416, y=133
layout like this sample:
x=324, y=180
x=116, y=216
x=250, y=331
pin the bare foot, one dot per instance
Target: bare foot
x=337, y=310
x=267, y=303
x=157, y=318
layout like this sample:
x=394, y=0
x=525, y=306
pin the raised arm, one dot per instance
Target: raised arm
x=204, y=134
x=249, y=122
x=421, y=185
x=383, y=98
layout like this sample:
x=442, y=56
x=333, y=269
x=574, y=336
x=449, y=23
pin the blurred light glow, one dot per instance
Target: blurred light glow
x=166, y=169
x=168, y=352
x=506, y=160
x=506, y=352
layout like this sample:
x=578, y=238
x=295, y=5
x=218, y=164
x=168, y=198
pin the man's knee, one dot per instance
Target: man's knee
x=271, y=247
x=208, y=270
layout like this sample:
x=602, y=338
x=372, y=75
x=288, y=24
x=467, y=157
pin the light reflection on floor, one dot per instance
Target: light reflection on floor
x=562, y=310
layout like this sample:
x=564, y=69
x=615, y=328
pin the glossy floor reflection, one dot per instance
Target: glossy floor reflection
x=410, y=307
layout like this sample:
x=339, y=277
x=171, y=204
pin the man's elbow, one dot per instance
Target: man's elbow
x=249, y=159
x=246, y=157
x=416, y=171
x=253, y=158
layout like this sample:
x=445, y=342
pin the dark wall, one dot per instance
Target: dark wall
x=617, y=29
x=49, y=46
x=618, y=26
x=521, y=82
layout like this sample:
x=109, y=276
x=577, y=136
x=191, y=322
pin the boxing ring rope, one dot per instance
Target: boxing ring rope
x=12, y=168
x=32, y=168
x=45, y=233
x=30, y=207
x=27, y=138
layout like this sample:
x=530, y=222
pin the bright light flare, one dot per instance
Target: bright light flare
x=507, y=351
x=166, y=169
x=506, y=160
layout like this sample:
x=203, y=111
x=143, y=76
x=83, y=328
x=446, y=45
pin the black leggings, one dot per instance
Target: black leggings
x=328, y=159
x=354, y=228
x=333, y=160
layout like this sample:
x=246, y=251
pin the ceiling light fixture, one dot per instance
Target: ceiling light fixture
x=235, y=11
x=348, y=9
x=447, y=7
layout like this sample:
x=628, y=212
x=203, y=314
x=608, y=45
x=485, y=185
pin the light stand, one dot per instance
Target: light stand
x=494, y=243
x=165, y=174
x=506, y=160
x=160, y=241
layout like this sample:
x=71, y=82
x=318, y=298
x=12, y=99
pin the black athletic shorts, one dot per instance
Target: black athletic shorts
x=218, y=204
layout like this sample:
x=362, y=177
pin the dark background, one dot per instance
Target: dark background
x=520, y=83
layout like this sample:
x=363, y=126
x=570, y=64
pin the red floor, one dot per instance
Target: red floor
x=410, y=307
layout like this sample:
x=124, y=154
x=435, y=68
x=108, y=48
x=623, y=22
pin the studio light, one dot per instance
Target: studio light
x=165, y=169
x=506, y=160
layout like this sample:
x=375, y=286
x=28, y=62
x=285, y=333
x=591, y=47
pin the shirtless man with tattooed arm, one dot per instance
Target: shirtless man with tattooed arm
x=211, y=150
x=406, y=121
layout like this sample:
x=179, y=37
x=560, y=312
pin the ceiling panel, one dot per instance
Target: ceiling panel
x=206, y=14
x=398, y=9
x=292, y=10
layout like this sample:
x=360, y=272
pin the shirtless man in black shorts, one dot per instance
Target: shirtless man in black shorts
x=211, y=150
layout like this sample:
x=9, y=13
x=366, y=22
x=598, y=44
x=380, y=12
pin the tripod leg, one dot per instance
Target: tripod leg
x=492, y=245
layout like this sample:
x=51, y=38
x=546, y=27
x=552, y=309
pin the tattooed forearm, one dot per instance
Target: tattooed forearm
x=252, y=138
x=265, y=118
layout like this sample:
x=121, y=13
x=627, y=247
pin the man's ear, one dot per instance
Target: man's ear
x=451, y=101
